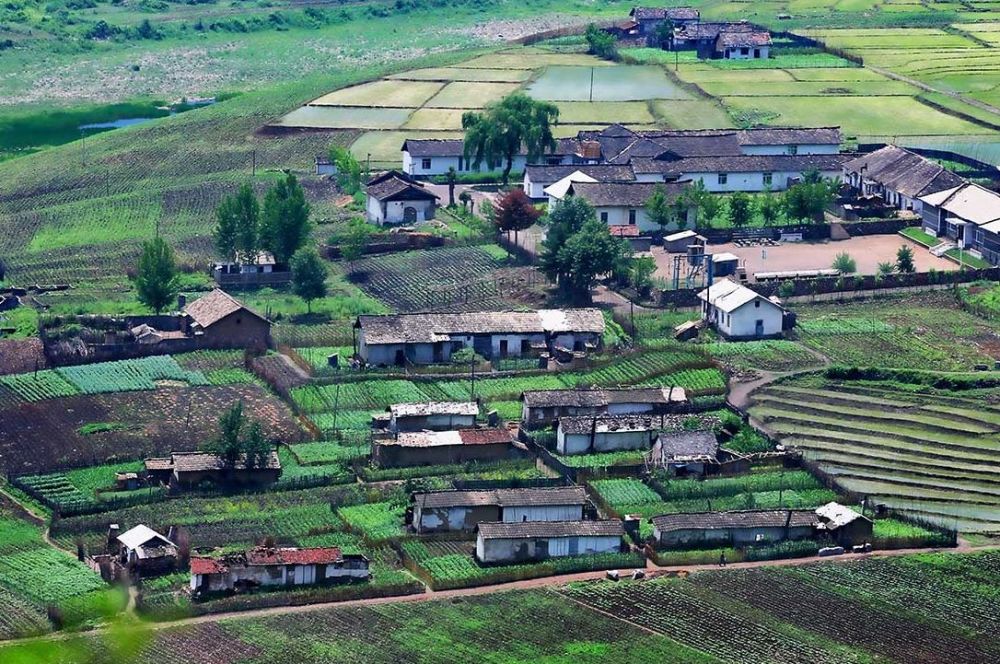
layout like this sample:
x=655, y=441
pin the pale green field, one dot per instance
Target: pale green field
x=534, y=59
x=570, y=130
x=858, y=116
x=811, y=89
x=463, y=94
x=384, y=146
x=604, y=112
x=435, y=118
x=393, y=94
x=624, y=83
x=835, y=74
x=359, y=117
x=465, y=74
x=692, y=114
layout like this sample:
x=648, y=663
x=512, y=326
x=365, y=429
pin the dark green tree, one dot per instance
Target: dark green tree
x=452, y=175
x=499, y=133
x=246, y=211
x=601, y=43
x=285, y=224
x=904, y=260
x=664, y=210
x=809, y=198
x=256, y=446
x=229, y=443
x=739, y=209
x=352, y=241
x=769, y=207
x=157, y=282
x=565, y=220
x=707, y=203
x=588, y=254
x=308, y=276
x=227, y=228
x=350, y=174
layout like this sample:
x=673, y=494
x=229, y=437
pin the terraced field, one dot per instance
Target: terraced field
x=936, y=457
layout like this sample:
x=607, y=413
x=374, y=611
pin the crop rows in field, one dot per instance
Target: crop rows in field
x=375, y=521
x=426, y=280
x=361, y=395
x=58, y=491
x=766, y=355
x=118, y=376
x=915, y=452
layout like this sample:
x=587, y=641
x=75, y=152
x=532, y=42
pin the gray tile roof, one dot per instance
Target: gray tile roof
x=791, y=136
x=741, y=39
x=540, y=174
x=711, y=30
x=763, y=163
x=546, y=529
x=679, y=444
x=432, y=327
x=397, y=186
x=192, y=462
x=625, y=194
x=602, y=397
x=568, y=495
x=607, y=423
x=734, y=520
x=455, y=147
x=659, y=13
x=900, y=170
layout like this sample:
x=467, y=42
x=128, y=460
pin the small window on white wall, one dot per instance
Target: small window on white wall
x=631, y=217
x=723, y=178
x=768, y=177
x=604, y=217
x=425, y=163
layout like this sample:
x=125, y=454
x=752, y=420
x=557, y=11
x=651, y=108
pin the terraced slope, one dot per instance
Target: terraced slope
x=937, y=457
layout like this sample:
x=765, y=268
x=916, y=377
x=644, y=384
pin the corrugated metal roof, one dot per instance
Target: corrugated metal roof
x=740, y=519
x=569, y=495
x=432, y=327
x=141, y=534
x=834, y=515
x=727, y=295
x=442, y=438
x=434, y=408
x=599, y=398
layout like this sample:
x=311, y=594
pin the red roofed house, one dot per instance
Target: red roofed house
x=269, y=566
x=218, y=320
x=431, y=448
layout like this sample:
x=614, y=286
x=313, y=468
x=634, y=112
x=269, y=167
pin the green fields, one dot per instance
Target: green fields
x=929, y=453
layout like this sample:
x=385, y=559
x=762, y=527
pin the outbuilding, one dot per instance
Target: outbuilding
x=738, y=528
x=218, y=320
x=187, y=470
x=270, y=566
x=540, y=540
x=685, y=452
x=431, y=448
x=434, y=416
x=844, y=525
x=737, y=312
x=584, y=435
x=395, y=198
x=142, y=550
x=444, y=511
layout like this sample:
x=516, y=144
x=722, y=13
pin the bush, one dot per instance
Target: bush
x=845, y=263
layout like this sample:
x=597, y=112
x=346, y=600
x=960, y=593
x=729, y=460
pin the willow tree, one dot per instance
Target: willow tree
x=499, y=133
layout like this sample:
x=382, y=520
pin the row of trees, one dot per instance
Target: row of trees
x=281, y=226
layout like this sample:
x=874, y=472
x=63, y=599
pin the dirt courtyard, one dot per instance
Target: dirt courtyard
x=867, y=251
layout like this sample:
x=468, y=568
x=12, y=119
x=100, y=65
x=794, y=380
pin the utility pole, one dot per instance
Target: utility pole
x=472, y=372
x=253, y=167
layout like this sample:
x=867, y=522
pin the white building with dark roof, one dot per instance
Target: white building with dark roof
x=737, y=312
x=428, y=338
x=738, y=528
x=396, y=198
x=424, y=157
x=619, y=204
x=542, y=408
x=898, y=176
x=432, y=416
x=967, y=215
x=539, y=540
x=604, y=433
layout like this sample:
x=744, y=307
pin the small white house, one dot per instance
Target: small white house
x=738, y=312
x=395, y=198
x=435, y=156
x=624, y=203
x=269, y=566
x=740, y=45
x=442, y=511
x=583, y=435
x=434, y=416
x=539, y=540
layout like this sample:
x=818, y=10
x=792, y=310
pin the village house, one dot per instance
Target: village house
x=966, y=216
x=429, y=338
x=259, y=270
x=897, y=177
x=653, y=150
x=685, y=453
x=270, y=566
x=444, y=511
x=188, y=470
x=844, y=526
x=739, y=528
x=432, y=448
x=395, y=198
x=218, y=320
x=605, y=433
x=620, y=204
x=142, y=551
x=537, y=178
x=434, y=156
x=544, y=408
x=433, y=416
x=649, y=19
x=737, y=312
x=540, y=540
x=743, y=45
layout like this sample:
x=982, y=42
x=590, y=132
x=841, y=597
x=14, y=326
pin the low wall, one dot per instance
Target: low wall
x=381, y=243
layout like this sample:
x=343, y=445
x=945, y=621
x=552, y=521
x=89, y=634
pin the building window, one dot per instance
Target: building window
x=425, y=163
x=793, y=149
x=744, y=51
x=604, y=217
x=631, y=217
x=553, y=161
x=767, y=179
x=461, y=164
x=723, y=178
x=756, y=304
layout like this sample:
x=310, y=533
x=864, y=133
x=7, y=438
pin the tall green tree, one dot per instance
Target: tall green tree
x=308, y=276
x=285, y=225
x=739, y=209
x=246, y=208
x=350, y=174
x=769, y=207
x=498, y=133
x=707, y=203
x=226, y=229
x=904, y=260
x=809, y=198
x=588, y=254
x=352, y=241
x=564, y=221
x=256, y=446
x=157, y=282
x=229, y=443
x=664, y=210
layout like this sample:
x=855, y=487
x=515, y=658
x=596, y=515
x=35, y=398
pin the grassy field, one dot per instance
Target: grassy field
x=931, y=454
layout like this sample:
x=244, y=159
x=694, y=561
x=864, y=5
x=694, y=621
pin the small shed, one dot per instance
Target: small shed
x=738, y=312
x=582, y=435
x=844, y=525
x=685, y=453
x=189, y=469
x=678, y=243
x=434, y=416
x=143, y=550
x=218, y=320
x=540, y=540
x=271, y=566
x=725, y=264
